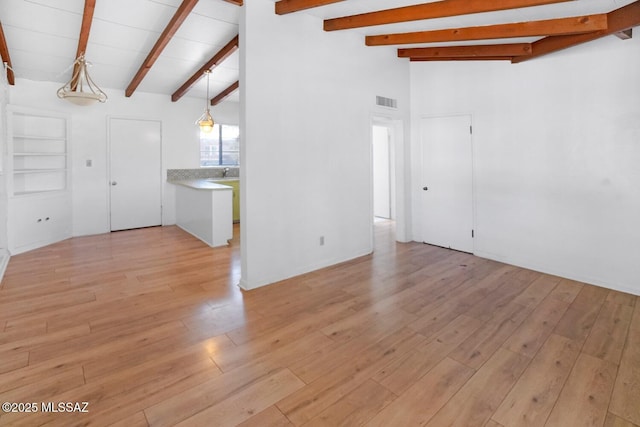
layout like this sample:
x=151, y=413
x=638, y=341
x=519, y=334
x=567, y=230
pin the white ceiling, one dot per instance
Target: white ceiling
x=42, y=36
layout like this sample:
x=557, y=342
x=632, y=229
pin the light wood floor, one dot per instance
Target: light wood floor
x=149, y=328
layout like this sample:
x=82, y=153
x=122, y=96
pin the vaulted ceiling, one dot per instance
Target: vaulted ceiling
x=43, y=37
x=513, y=30
x=164, y=46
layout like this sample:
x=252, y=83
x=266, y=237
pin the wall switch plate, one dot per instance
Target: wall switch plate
x=89, y=163
x=321, y=240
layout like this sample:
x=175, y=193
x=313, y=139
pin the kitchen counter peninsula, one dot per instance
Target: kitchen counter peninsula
x=204, y=209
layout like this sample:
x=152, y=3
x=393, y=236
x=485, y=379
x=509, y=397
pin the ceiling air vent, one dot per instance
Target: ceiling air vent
x=386, y=102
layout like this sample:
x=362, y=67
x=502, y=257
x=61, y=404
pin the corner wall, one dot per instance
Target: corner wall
x=556, y=147
x=307, y=102
x=4, y=253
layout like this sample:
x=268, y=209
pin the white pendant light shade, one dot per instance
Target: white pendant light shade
x=206, y=121
x=81, y=89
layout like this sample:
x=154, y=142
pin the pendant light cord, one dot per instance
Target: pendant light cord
x=206, y=101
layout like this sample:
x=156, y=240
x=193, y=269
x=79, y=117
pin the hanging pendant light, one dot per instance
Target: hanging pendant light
x=81, y=89
x=206, y=121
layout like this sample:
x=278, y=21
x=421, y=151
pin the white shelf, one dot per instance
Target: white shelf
x=38, y=151
x=39, y=154
x=19, y=171
x=30, y=193
x=41, y=138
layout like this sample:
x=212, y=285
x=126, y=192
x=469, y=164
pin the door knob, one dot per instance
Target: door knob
x=114, y=183
x=425, y=188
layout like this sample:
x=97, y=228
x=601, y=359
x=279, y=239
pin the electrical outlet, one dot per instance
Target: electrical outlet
x=321, y=240
x=89, y=163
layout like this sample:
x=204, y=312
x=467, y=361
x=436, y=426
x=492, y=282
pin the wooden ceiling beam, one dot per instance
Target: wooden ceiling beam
x=506, y=51
x=624, y=18
x=289, y=6
x=6, y=58
x=178, y=18
x=222, y=95
x=85, y=28
x=83, y=39
x=618, y=20
x=216, y=60
x=463, y=58
x=555, y=43
x=574, y=25
x=437, y=9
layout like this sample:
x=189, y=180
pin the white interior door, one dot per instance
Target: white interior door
x=447, y=182
x=381, y=173
x=135, y=173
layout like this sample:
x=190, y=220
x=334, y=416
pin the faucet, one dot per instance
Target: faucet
x=225, y=171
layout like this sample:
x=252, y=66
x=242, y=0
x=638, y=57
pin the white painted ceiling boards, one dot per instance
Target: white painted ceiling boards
x=42, y=36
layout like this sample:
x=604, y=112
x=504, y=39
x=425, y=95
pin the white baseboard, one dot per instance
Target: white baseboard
x=4, y=261
x=265, y=281
x=566, y=274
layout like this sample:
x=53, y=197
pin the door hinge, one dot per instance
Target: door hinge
x=472, y=234
x=471, y=129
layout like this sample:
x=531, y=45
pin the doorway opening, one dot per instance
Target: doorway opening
x=386, y=139
x=381, y=158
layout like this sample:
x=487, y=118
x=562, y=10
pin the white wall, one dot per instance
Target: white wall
x=556, y=157
x=306, y=108
x=4, y=253
x=90, y=191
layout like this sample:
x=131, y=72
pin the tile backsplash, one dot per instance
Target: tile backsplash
x=201, y=173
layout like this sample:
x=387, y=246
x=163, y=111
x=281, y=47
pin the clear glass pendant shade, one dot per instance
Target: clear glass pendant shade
x=206, y=121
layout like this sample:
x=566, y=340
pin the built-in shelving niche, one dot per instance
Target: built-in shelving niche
x=38, y=177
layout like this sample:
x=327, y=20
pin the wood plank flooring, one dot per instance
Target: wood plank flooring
x=149, y=327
